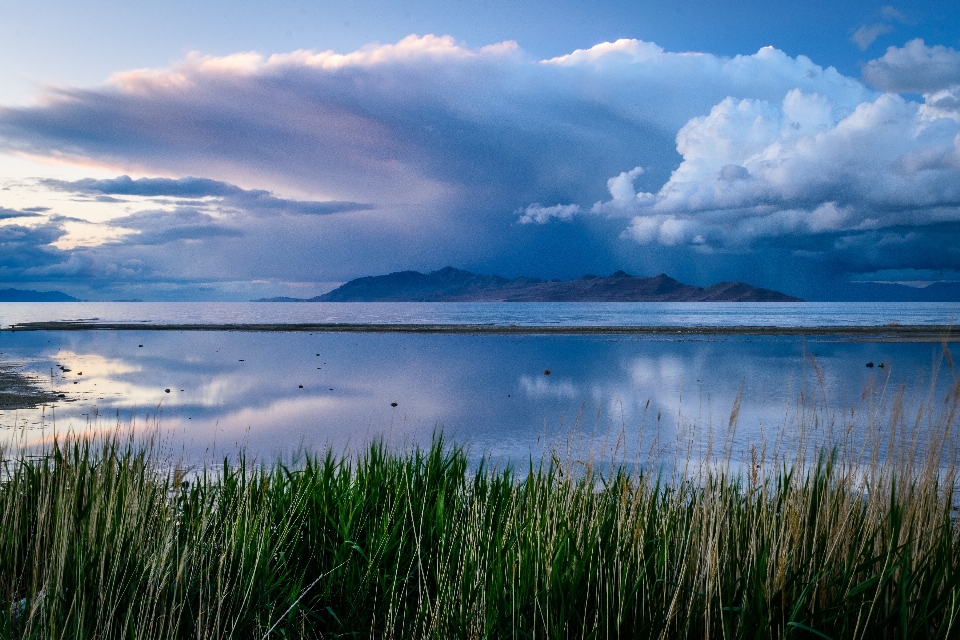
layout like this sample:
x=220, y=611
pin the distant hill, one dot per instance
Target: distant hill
x=456, y=285
x=891, y=292
x=21, y=295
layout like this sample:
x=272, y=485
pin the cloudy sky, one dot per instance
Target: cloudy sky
x=227, y=151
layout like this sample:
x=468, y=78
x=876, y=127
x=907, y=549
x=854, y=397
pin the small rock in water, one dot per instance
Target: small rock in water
x=870, y=365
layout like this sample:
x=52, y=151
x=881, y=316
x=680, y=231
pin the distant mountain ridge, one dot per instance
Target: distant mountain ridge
x=456, y=285
x=893, y=292
x=26, y=295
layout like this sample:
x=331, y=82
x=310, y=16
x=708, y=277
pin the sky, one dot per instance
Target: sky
x=230, y=151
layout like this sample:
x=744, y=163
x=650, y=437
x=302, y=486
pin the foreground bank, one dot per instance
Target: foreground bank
x=856, y=539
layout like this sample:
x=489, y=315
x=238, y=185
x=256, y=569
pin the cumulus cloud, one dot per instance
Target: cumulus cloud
x=535, y=213
x=915, y=68
x=626, y=199
x=754, y=169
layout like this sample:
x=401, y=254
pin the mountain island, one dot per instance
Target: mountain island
x=456, y=285
x=27, y=295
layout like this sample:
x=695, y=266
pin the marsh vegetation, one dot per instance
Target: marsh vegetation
x=841, y=525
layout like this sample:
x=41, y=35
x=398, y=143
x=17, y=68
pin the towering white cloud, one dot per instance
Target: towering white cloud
x=755, y=169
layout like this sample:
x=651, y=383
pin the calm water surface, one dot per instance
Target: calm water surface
x=274, y=392
x=806, y=314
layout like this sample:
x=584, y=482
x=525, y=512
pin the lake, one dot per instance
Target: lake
x=713, y=314
x=505, y=395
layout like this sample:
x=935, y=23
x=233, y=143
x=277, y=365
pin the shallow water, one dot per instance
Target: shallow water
x=491, y=392
x=804, y=314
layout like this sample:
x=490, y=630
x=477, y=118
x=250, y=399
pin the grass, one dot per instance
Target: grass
x=848, y=532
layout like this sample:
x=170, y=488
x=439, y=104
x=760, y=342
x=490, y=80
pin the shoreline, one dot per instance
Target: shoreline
x=454, y=545
x=873, y=333
x=19, y=390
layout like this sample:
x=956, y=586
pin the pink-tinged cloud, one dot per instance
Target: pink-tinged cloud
x=414, y=122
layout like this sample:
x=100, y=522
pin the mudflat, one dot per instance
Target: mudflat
x=21, y=391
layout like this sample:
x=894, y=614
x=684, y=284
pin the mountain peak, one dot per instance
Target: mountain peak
x=450, y=284
x=448, y=271
x=27, y=295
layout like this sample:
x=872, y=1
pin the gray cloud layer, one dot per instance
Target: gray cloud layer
x=32, y=212
x=254, y=201
x=412, y=122
x=688, y=162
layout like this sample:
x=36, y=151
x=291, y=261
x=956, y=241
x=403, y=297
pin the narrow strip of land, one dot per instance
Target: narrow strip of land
x=878, y=333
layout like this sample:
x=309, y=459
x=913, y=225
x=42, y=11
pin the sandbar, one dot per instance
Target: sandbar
x=868, y=333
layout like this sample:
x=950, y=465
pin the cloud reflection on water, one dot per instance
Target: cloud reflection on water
x=490, y=392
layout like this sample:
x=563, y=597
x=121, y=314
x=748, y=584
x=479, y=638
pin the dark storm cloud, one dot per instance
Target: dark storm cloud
x=423, y=121
x=622, y=155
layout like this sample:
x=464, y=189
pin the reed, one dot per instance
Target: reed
x=842, y=527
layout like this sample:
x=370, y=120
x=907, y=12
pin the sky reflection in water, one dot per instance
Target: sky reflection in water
x=490, y=392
